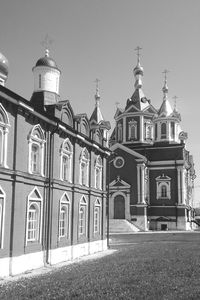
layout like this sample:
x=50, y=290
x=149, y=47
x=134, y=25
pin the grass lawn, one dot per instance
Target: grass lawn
x=154, y=267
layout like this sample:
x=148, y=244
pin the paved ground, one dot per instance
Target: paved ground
x=162, y=265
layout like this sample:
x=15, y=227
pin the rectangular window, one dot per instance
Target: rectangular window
x=65, y=168
x=97, y=220
x=82, y=220
x=32, y=225
x=35, y=156
x=64, y=221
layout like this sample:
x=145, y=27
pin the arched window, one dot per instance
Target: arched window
x=119, y=132
x=84, y=167
x=163, y=191
x=163, y=186
x=163, y=131
x=83, y=217
x=156, y=131
x=64, y=217
x=34, y=217
x=33, y=222
x=36, y=140
x=148, y=130
x=66, y=153
x=40, y=81
x=4, y=126
x=97, y=217
x=98, y=173
x=172, y=130
x=132, y=130
x=2, y=216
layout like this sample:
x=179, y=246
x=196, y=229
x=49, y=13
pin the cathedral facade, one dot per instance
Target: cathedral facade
x=151, y=177
x=52, y=175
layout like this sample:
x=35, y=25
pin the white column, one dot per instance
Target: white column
x=179, y=186
x=138, y=182
x=183, y=187
x=142, y=184
x=124, y=129
x=141, y=129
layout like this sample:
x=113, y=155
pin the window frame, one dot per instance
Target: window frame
x=64, y=203
x=98, y=168
x=84, y=162
x=4, y=128
x=66, y=152
x=34, y=199
x=82, y=222
x=36, y=138
x=132, y=130
x=97, y=221
x=2, y=216
x=160, y=182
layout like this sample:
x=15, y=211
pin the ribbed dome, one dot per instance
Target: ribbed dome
x=3, y=65
x=46, y=61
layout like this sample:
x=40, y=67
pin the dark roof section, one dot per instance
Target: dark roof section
x=46, y=61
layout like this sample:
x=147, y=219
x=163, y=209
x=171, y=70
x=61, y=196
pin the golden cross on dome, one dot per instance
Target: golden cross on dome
x=138, y=52
x=46, y=43
x=175, y=101
x=97, y=85
x=165, y=72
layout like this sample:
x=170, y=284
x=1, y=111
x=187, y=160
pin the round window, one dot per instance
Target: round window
x=119, y=162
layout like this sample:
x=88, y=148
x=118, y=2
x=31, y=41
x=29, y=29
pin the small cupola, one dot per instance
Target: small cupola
x=167, y=121
x=3, y=69
x=46, y=83
x=46, y=74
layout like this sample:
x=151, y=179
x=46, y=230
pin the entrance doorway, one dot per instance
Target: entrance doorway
x=164, y=227
x=119, y=207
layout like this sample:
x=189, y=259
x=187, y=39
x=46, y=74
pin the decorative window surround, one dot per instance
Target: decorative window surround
x=148, y=130
x=98, y=173
x=163, y=187
x=64, y=217
x=119, y=132
x=2, y=216
x=84, y=167
x=132, y=130
x=34, y=217
x=97, y=217
x=82, y=225
x=36, y=141
x=66, y=155
x=4, y=129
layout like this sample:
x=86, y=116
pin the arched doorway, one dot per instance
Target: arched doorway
x=119, y=207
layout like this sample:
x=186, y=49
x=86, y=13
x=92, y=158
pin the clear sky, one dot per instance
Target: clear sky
x=96, y=39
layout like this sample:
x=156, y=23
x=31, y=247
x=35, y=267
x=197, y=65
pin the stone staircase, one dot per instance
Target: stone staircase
x=121, y=226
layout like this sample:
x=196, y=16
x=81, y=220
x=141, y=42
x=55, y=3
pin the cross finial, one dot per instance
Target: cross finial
x=165, y=74
x=175, y=101
x=97, y=86
x=138, y=52
x=46, y=43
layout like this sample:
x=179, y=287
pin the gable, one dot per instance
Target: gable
x=150, y=109
x=132, y=109
x=135, y=154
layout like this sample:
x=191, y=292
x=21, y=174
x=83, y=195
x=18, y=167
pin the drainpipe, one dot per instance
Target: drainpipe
x=49, y=198
x=112, y=157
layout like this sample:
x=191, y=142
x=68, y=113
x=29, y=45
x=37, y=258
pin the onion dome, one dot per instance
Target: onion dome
x=138, y=70
x=165, y=109
x=3, y=68
x=46, y=61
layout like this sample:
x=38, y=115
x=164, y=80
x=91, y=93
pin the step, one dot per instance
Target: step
x=121, y=226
